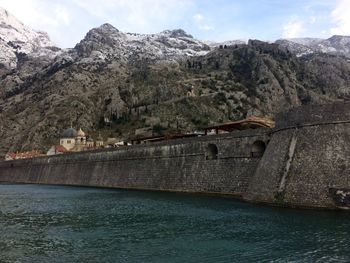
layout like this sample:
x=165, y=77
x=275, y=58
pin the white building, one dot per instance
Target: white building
x=68, y=138
x=72, y=140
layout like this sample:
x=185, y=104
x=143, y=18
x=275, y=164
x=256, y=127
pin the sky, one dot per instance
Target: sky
x=67, y=21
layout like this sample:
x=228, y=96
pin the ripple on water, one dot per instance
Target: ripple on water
x=67, y=224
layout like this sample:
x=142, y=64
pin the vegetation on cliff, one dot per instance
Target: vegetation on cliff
x=100, y=90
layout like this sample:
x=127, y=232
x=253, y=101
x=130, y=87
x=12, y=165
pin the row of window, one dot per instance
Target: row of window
x=257, y=150
x=69, y=141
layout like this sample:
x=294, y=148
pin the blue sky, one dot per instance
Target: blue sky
x=67, y=21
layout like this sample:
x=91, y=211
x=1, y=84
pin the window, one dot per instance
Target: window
x=211, y=152
x=258, y=149
x=68, y=141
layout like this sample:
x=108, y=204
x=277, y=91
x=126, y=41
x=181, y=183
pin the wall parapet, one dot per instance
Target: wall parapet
x=314, y=115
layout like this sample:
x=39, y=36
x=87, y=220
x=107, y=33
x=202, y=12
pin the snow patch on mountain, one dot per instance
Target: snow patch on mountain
x=106, y=42
x=17, y=39
x=227, y=43
x=306, y=41
x=337, y=45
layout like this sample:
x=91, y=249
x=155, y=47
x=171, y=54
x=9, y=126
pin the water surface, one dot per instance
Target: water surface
x=73, y=224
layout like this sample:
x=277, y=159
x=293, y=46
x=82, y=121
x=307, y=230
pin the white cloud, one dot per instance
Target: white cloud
x=294, y=28
x=62, y=14
x=341, y=18
x=312, y=20
x=201, y=22
x=137, y=15
x=67, y=21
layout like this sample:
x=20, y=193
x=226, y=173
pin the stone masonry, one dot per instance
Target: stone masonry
x=305, y=164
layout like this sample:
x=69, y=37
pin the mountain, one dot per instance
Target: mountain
x=306, y=41
x=335, y=45
x=295, y=47
x=214, y=44
x=119, y=84
x=107, y=42
x=18, y=40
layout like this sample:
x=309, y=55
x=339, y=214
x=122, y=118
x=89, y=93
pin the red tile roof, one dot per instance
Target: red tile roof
x=23, y=155
x=60, y=148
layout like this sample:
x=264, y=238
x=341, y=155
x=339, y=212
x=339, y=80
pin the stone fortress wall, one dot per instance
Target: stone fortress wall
x=305, y=164
x=307, y=158
x=210, y=164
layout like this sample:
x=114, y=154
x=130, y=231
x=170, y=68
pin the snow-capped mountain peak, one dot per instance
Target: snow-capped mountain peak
x=7, y=19
x=176, y=33
x=107, y=42
x=18, y=39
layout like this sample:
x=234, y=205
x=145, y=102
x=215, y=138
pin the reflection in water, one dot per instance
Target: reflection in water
x=70, y=224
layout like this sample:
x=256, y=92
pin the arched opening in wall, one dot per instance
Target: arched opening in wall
x=212, y=152
x=82, y=140
x=258, y=149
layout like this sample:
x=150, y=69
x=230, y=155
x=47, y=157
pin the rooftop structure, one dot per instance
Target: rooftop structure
x=157, y=138
x=80, y=133
x=251, y=122
x=22, y=155
x=69, y=133
x=56, y=149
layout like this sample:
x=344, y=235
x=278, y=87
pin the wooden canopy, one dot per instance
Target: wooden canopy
x=251, y=122
x=166, y=137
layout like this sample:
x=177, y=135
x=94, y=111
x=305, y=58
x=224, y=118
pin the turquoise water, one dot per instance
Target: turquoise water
x=72, y=224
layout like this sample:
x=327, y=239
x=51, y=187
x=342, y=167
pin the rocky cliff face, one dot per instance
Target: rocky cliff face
x=117, y=83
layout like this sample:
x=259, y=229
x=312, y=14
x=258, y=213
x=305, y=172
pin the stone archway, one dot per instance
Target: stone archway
x=212, y=152
x=258, y=149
